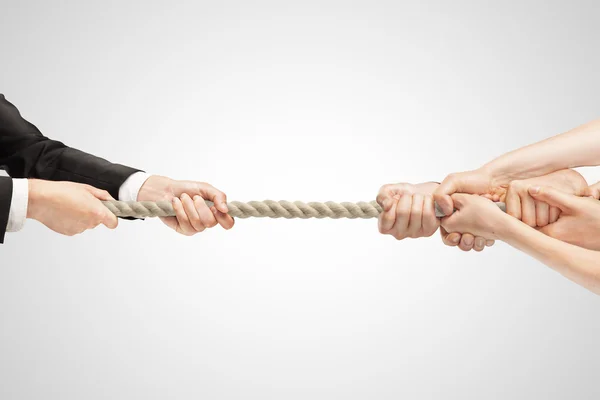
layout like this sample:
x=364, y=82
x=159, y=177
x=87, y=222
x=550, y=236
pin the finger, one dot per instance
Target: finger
x=402, y=216
x=564, y=201
x=225, y=220
x=416, y=216
x=190, y=210
x=183, y=223
x=527, y=209
x=211, y=193
x=490, y=243
x=430, y=223
x=513, y=204
x=542, y=213
x=479, y=244
x=206, y=216
x=450, y=239
x=387, y=219
x=467, y=241
x=554, y=214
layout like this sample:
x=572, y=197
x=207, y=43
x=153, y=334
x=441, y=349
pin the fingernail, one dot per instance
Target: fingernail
x=468, y=241
x=479, y=242
x=454, y=239
x=534, y=189
x=196, y=198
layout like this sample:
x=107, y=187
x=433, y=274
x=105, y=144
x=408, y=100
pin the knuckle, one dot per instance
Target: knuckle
x=399, y=235
x=97, y=214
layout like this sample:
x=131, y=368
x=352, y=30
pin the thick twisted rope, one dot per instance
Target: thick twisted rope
x=263, y=209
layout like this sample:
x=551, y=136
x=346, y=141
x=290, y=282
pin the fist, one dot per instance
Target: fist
x=476, y=215
x=69, y=208
x=408, y=210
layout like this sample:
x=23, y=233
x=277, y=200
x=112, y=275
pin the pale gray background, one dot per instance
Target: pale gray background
x=300, y=101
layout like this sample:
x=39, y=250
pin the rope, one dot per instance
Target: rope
x=262, y=209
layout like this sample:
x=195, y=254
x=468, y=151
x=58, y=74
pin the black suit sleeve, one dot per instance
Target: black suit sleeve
x=26, y=153
x=6, y=188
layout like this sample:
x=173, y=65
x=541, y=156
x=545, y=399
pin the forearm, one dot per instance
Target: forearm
x=580, y=265
x=575, y=148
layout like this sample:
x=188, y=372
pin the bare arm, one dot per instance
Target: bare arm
x=480, y=216
x=576, y=148
x=580, y=265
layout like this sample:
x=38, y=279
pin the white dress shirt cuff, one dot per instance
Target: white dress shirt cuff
x=18, y=205
x=131, y=187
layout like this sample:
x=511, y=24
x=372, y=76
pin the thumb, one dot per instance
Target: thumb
x=553, y=197
x=442, y=195
x=458, y=200
x=109, y=219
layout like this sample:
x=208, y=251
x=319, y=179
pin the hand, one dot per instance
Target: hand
x=475, y=215
x=521, y=205
x=408, y=210
x=187, y=197
x=579, y=221
x=478, y=181
x=68, y=208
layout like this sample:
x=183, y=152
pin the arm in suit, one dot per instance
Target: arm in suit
x=6, y=188
x=26, y=153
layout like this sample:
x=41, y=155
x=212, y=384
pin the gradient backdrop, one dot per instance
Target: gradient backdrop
x=313, y=101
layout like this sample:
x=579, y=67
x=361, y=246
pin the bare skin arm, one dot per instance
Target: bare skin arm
x=480, y=216
x=575, y=148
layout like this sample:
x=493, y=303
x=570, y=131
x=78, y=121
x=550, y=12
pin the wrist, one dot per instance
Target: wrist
x=507, y=227
x=498, y=177
x=35, y=198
